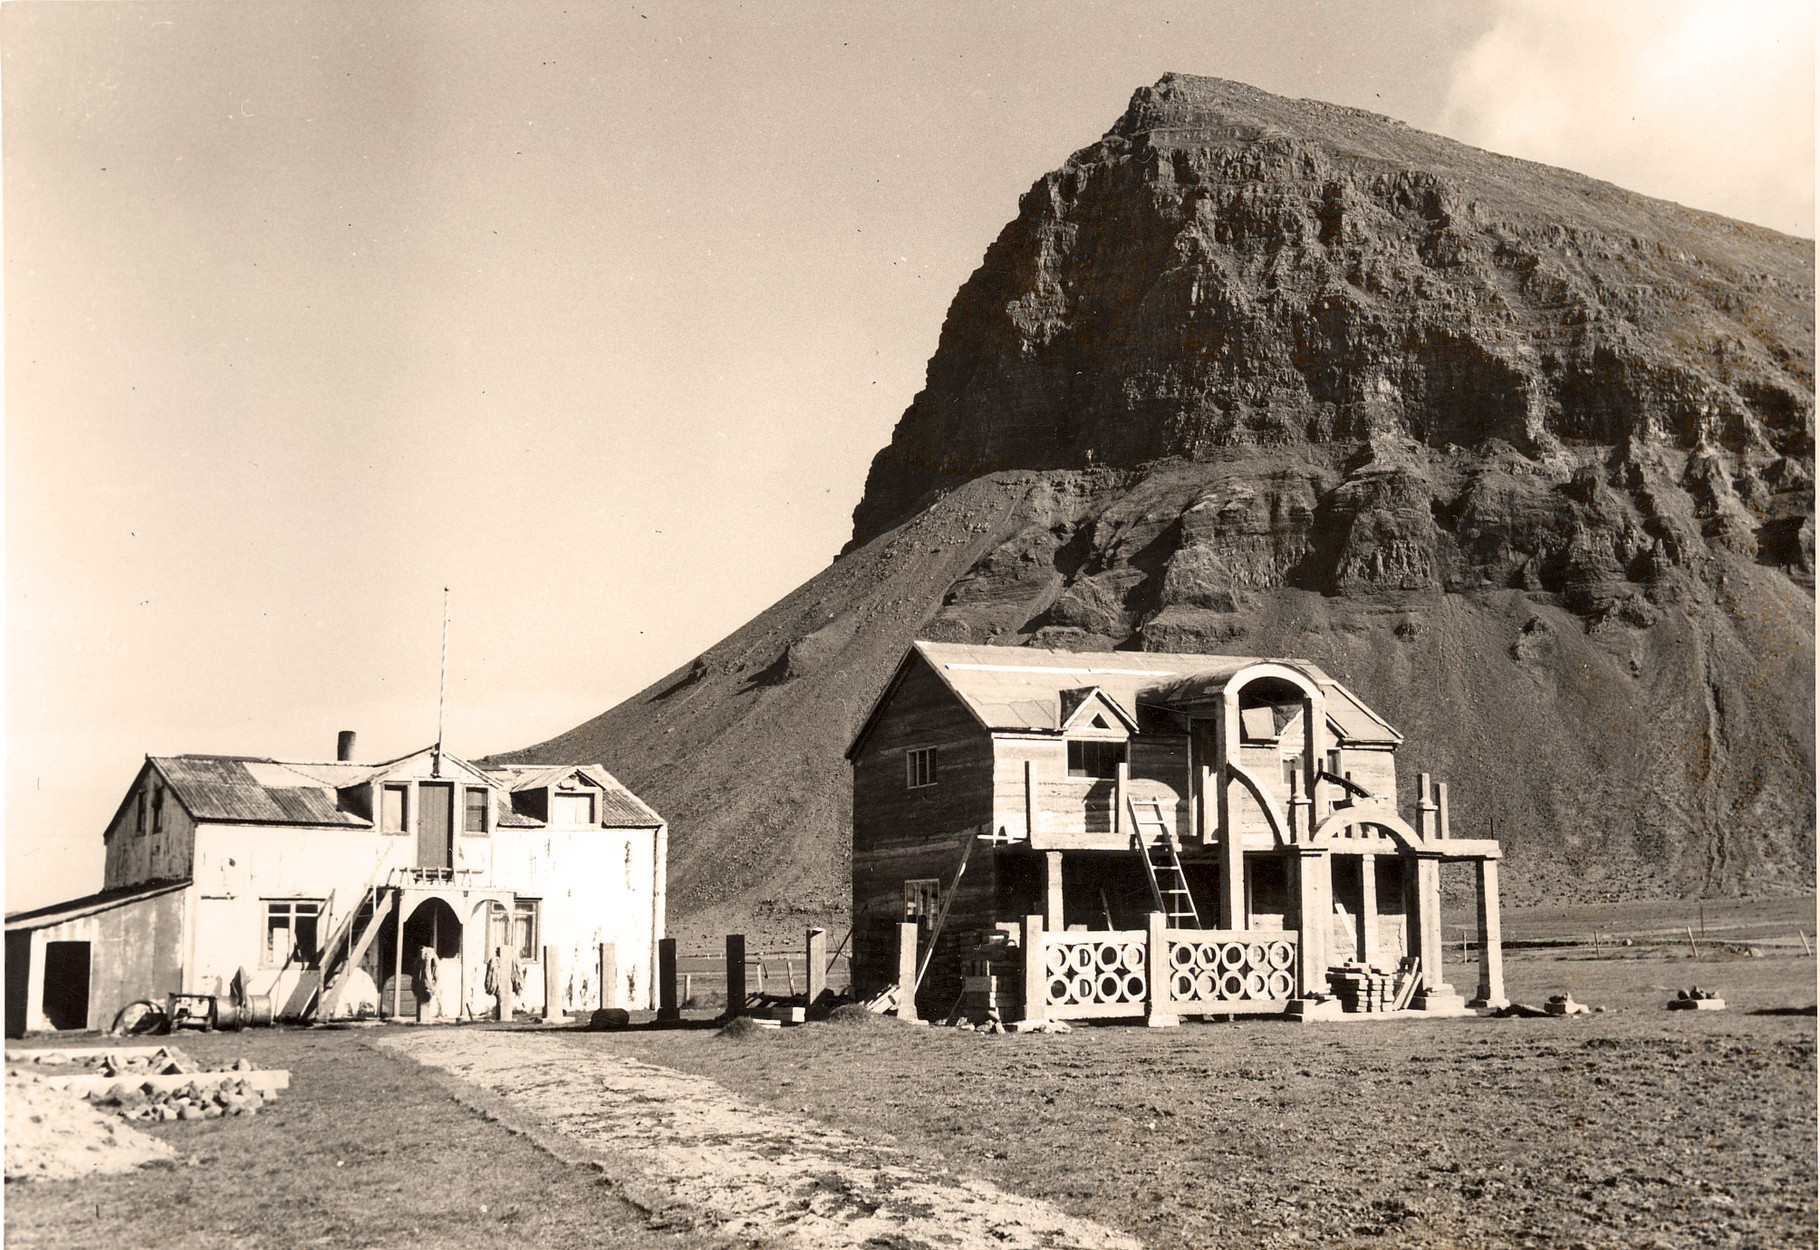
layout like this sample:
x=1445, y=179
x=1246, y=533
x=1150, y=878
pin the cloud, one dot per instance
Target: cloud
x=1704, y=102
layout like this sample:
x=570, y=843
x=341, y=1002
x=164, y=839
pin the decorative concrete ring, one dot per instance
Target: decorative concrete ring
x=1059, y=988
x=1232, y=985
x=1282, y=954
x=1181, y=985
x=1134, y=987
x=1107, y=956
x=1056, y=958
x=1254, y=985
x=1181, y=954
x=1108, y=987
x=1207, y=954
x=1256, y=956
x=1207, y=985
x=1082, y=956
x=1132, y=956
x=1083, y=989
x=1232, y=955
x=1280, y=984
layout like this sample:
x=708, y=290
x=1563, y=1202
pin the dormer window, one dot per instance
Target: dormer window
x=474, y=817
x=392, y=803
x=574, y=807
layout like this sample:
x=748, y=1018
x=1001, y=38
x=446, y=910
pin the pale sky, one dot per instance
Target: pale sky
x=595, y=317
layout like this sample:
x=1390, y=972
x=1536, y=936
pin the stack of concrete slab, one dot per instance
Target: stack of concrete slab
x=1363, y=989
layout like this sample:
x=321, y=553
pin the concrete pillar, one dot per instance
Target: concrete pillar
x=1036, y=972
x=1160, y=1011
x=906, y=970
x=609, y=975
x=1121, y=786
x=552, y=986
x=815, y=977
x=666, y=980
x=1425, y=807
x=1368, y=907
x=1052, y=891
x=1314, y=895
x=504, y=1006
x=1435, y=993
x=1441, y=826
x=1232, y=879
x=736, y=974
x=1491, y=940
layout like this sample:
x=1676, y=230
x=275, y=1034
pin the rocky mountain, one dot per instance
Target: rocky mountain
x=1525, y=458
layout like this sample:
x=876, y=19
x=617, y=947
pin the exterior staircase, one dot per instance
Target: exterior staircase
x=347, y=946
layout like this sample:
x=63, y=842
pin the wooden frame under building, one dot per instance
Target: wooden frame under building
x=1159, y=835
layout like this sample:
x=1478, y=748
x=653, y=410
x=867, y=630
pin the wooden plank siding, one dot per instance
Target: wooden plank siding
x=902, y=833
x=1075, y=813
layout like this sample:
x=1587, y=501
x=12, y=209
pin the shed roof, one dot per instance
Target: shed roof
x=90, y=904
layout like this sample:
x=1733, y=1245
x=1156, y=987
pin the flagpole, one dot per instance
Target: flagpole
x=442, y=693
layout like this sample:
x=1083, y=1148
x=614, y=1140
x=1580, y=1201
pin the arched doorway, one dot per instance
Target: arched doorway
x=432, y=927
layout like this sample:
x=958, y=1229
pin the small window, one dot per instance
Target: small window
x=139, y=819
x=1333, y=764
x=525, y=935
x=575, y=808
x=922, y=899
x=1292, y=766
x=1095, y=759
x=290, y=933
x=158, y=810
x=475, y=819
x=392, y=808
x=919, y=768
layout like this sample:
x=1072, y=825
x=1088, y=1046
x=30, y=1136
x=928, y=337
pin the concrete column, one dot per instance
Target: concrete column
x=815, y=976
x=1232, y=879
x=1441, y=826
x=552, y=985
x=906, y=970
x=666, y=980
x=1425, y=807
x=1314, y=894
x=1052, y=891
x=1036, y=973
x=736, y=974
x=504, y=1006
x=1160, y=1011
x=1435, y=993
x=609, y=975
x=1368, y=907
x=1491, y=940
x=1121, y=786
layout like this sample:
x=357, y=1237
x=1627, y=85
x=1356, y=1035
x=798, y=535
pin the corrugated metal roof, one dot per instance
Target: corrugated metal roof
x=225, y=787
x=619, y=807
x=89, y=904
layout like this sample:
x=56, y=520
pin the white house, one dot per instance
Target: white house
x=301, y=878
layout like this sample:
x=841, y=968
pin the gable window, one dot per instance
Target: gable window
x=139, y=819
x=392, y=809
x=574, y=807
x=922, y=898
x=158, y=810
x=1292, y=768
x=474, y=812
x=525, y=929
x=1333, y=764
x=919, y=768
x=290, y=933
x=1095, y=759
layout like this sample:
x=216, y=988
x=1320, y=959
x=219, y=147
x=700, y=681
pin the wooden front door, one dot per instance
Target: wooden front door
x=435, y=824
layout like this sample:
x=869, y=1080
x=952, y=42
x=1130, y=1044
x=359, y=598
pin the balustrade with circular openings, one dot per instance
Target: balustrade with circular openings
x=1231, y=968
x=1095, y=970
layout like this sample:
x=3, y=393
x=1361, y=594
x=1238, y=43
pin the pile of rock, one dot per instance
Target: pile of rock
x=1696, y=999
x=196, y=1101
x=151, y=1084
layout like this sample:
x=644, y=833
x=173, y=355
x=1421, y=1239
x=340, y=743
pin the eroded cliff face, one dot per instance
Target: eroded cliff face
x=1524, y=458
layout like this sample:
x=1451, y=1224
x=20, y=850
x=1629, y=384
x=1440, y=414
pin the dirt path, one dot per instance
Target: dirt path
x=749, y=1171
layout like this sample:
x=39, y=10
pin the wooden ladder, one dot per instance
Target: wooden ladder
x=1153, y=838
x=345, y=949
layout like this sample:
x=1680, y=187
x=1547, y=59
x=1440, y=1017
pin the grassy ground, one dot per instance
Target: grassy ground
x=1636, y=1127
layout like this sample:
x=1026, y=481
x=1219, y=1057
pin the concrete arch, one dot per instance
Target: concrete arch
x=1383, y=817
x=1282, y=672
x=1279, y=825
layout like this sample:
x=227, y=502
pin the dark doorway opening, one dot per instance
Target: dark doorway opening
x=66, y=984
x=18, y=976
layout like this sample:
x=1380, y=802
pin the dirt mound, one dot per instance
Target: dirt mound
x=854, y=1016
x=55, y=1135
x=741, y=1028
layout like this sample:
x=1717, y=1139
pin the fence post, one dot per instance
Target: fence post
x=1036, y=974
x=816, y=977
x=552, y=986
x=666, y=980
x=609, y=976
x=1161, y=1011
x=736, y=974
x=906, y=970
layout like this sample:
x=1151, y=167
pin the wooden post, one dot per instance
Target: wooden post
x=1030, y=804
x=736, y=974
x=504, y=1006
x=816, y=977
x=1121, y=786
x=1442, y=828
x=1368, y=908
x=609, y=975
x=906, y=970
x=1160, y=1011
x=398, y=960
x=1036, y=973
x=1052, y=891
x=688, y=989
x=666, y=980
x=1491, y=940
x=552, y=985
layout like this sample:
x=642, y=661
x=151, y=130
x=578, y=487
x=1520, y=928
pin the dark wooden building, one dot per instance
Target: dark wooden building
x=1148, y=834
